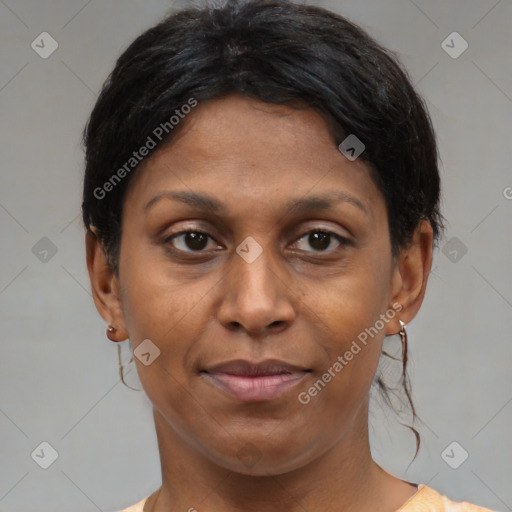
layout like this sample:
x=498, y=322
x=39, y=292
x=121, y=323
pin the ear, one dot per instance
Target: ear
x=410, y=276
x=105, y=286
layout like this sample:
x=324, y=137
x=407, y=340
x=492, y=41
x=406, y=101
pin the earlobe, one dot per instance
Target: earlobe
x=104, y=286
x=411, y=274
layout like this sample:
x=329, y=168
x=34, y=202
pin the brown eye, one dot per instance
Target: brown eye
x=320, y=240
x=189, y=241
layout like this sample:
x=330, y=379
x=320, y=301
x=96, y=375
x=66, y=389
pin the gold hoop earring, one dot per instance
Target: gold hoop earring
x=111, y=333
x=121, y=373
x=403, y=337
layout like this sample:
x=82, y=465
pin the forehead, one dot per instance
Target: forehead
x=250, y=130
x=253, y=152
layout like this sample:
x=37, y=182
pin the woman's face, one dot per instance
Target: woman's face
x=261, y=283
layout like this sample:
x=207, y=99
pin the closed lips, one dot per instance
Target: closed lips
x=255, y=382
x=249, y=369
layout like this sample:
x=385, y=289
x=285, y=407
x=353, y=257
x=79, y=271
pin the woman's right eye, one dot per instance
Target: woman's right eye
x=194, y=240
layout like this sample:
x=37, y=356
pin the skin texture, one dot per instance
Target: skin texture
x=294, y=302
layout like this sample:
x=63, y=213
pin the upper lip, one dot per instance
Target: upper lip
x=248, y=368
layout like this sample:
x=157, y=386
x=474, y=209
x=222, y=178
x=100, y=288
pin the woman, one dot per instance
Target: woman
x=261, y=200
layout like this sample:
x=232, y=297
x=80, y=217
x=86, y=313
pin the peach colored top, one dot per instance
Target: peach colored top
x=425, y=499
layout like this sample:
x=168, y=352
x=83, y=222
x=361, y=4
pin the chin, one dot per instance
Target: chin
x=254, y=458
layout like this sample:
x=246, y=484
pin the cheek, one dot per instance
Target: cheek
x=162, y=304
x=340, y=388
x=351, y=302
x=348, y=311
x=155, y=297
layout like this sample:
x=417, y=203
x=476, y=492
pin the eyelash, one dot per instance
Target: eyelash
x=342, y=240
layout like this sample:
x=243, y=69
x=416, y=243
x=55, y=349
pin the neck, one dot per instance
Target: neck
x=343, y=478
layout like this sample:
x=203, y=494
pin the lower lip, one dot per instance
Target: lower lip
x=255, y=389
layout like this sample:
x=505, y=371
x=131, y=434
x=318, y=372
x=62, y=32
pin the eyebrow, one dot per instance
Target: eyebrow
x=297, y=206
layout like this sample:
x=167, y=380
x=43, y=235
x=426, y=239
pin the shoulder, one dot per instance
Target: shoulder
x=425, y=500
x=137, y=507
x=429, y=500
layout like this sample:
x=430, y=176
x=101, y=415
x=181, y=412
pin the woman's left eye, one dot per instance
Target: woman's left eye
x=197, y=241
x=320, y=239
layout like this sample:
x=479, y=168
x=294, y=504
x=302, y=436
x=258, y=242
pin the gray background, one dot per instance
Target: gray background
x=58, y=371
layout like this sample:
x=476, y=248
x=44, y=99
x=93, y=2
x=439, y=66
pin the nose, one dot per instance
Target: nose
x=257, y=296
